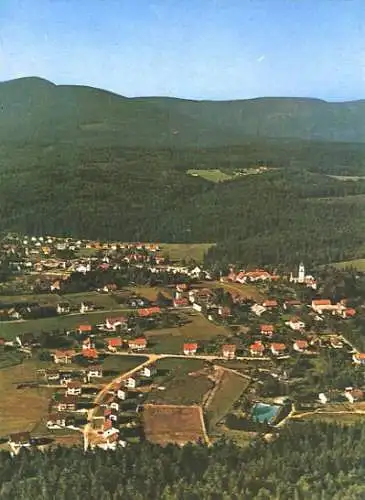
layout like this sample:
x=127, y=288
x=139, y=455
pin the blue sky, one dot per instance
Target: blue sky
x=212, y=49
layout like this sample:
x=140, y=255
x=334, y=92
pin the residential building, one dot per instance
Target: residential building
x=257, y=348
x=300, y=345
x=359, y=358
x=149, y=371
x=114, y=343
x=267, y=330
x=190, y=348
x=295, y=323
x=277, y=349
x=74, y=388
x=229, y=351
x=64, y=357
x=138, y=344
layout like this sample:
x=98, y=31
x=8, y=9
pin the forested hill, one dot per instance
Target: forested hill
x=33, y=109
x=307, y=462
x=83, y=162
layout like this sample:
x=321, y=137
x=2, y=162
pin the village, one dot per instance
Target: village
x=121, y=342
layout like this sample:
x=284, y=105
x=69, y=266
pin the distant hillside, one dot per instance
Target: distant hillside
x=88, y=163
x=33, y=109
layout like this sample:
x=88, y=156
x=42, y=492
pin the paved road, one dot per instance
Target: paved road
x=206, y=357
x=90, y=433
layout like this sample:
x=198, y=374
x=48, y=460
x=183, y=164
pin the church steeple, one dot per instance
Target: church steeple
x=301, y=273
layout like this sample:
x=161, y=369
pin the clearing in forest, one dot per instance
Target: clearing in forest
x=165, y=424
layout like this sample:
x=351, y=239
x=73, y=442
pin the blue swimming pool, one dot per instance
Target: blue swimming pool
x=263, y=412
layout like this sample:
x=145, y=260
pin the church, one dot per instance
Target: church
x=303, y=279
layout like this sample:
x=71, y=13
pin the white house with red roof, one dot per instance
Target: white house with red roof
x=257, y=348
x=300, y=345
x=115, y=323
x=190, y=348
x=267, y=330
x=277, y=348
x=114, y=343
x=137, y=344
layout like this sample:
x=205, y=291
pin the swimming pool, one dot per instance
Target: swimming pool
x=263, y=412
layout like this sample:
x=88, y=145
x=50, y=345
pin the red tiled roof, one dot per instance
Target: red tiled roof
x=257, y=346
x=191, y=346
x=85, y=328
x=149, y=311
x=115, y=342
x=360, y=355
x=90, y=353
x=141, y=341
x=302, y=344
x=321, y=302
x=278, y=347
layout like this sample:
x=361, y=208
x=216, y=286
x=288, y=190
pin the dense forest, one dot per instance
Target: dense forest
x=307, y=462
x=281, y=216
x=87, y=163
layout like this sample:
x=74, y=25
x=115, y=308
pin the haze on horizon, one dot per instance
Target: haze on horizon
x=195, y=49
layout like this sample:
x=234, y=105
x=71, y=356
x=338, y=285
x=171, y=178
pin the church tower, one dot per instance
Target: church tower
x=301, y=273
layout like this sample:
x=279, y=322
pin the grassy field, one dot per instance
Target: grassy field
x=10, y=358
x=172, y=424
x=12, y=328
x=150, y=293
x=344, y=418
x=229, y=390
x=246, y=291
x=22, y=409
x=197, y=328
x=99, y=299
x=185, y=382
x=184, y=251
x=358, y=264
x=122, y=364
x=213, y=175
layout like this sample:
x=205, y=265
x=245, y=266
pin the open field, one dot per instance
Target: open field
x=186, y=251
x=172, y=424
x=246, y=291
x=150, y=293
x=197, y=328
x=185, y=382
x=339, y=418
x=10, y=358
x=122, y=364
x=12, y=328
x=213, y=175
x=22, y=409
x=99, y=299
x=230, y=388
x=358, y=264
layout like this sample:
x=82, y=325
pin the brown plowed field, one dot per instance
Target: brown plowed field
x=165, y=424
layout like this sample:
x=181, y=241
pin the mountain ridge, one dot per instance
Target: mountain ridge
x=35, y=109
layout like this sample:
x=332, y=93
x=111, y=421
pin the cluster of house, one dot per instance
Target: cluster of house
x=41, y=255
x=121, y=391
x=351, y=394
x=261, y=275
x=318, y=306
